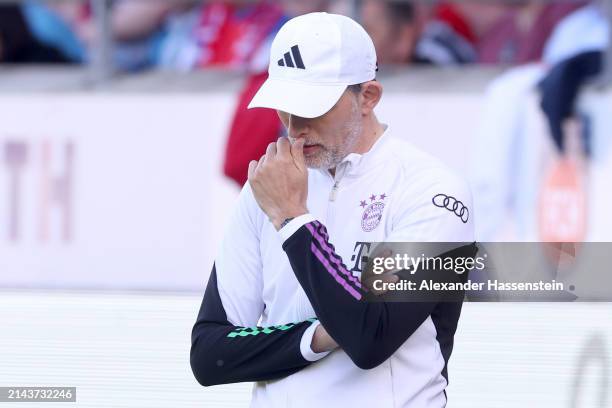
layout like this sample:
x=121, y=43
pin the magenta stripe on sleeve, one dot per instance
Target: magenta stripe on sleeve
x=330, y=253
x=322, y=229
x=351, y=290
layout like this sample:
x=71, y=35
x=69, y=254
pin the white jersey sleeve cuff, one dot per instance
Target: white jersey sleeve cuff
x=294, y=225
x=306, y=341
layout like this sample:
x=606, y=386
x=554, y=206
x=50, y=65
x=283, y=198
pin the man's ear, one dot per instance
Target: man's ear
x=371, y=92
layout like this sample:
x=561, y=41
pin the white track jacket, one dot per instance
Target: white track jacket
x=269, y=289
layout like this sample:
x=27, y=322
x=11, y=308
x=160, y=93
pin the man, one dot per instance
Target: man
x=283, y=306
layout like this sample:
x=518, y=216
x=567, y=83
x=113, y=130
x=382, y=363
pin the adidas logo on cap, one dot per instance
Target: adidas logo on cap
x=288, y=62
x=338, y=52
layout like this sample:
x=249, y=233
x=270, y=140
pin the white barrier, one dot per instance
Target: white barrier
x=132, y=350
x=101, y=191
x=125, y=190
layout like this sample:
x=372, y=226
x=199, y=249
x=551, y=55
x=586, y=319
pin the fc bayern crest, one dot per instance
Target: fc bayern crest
x=372, y=213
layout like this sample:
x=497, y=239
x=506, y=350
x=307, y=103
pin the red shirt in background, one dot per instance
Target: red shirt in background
x=251, y=132
x=230, y=35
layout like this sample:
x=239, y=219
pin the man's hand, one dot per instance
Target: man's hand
x=279, y=180
x=368, y=277
x=322, y=341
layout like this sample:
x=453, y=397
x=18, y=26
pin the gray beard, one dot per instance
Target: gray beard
x=353, y=128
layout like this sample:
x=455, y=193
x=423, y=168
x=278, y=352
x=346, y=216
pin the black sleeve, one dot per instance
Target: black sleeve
x=222, y=353
x=369, y=332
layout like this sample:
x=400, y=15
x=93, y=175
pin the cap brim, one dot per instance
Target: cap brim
x=298, y=98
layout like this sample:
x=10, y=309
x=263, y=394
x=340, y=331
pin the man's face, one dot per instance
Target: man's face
x=329, y=138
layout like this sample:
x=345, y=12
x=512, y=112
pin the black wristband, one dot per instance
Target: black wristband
x=287, y=221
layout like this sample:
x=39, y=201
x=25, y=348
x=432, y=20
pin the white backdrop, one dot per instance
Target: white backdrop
x=145, y=201
x=126, y=191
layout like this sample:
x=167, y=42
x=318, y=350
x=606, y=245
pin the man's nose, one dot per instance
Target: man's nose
x=298, y=126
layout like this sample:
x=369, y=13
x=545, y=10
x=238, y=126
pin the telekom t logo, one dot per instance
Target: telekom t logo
x=51, y=165
x=360, y=255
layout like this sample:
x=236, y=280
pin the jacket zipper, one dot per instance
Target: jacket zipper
x=334, y=191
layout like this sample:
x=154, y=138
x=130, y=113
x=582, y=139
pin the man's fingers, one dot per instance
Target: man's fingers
x=261, y=160
x=297, y=151
x=271, y=150
x=390, y=278
x=254, y=164
x=283, y=147
x=252, y=167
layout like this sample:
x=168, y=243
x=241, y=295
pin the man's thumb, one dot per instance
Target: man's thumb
x=297, y=151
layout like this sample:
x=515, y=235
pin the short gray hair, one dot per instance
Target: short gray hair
x=356, y=88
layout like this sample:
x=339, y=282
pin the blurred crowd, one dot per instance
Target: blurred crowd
x=235, y=34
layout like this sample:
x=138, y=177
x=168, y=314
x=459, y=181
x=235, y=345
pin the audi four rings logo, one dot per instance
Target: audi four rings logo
x=452, y=204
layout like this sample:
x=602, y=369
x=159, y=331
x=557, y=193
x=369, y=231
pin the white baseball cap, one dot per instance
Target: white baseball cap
x=314, y=57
